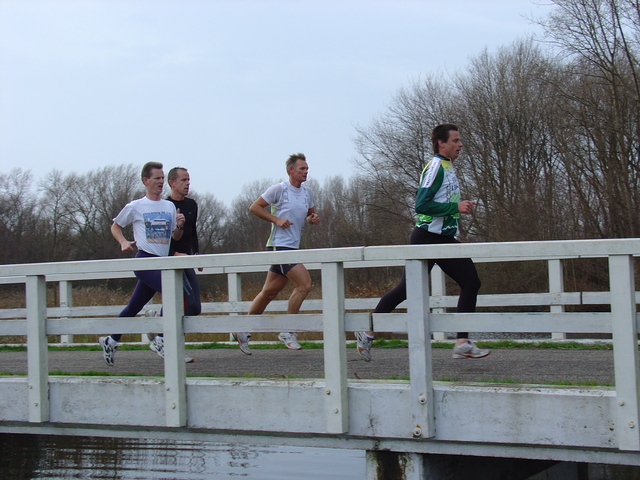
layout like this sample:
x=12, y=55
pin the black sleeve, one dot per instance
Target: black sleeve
x=194, y=239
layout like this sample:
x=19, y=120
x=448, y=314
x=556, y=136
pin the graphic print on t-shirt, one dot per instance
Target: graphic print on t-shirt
x=156, y=226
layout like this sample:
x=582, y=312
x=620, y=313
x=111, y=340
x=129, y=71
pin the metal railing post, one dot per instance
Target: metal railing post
x=335, y=349
x=234, y=289
x=625, y=350
x=420, y=360
x=556, y=287
x=66, y=300
x=175, y=371
x=438, y=289
x=37, y=355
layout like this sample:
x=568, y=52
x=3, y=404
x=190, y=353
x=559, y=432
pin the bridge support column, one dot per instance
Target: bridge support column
x=387, y=465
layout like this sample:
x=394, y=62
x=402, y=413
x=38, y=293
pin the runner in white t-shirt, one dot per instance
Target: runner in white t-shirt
x=292, y=206
x=155, y=222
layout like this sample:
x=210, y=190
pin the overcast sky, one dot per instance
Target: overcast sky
x=226, y=88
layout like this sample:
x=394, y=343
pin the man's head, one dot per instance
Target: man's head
x=146, y=169
x=291, y=161
x=446, y=140
x=297, y=168
x=153, y=179
x=179, y=181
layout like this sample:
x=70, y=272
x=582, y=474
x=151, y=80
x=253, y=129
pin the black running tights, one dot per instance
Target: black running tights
x=461, y=270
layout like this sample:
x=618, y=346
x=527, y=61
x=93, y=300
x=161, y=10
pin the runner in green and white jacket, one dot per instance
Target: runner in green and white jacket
x=438, y=206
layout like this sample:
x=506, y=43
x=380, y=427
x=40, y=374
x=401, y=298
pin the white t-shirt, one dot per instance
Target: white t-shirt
x=293, y=204
x=153, y=221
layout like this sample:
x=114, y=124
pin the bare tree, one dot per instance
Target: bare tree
x=338, y=208
x=397, y=144
x=507, y=112
x=601, y=41
x=53, y=205
x=19, y=218
x=212, y=217
x=94, y=201
x=244, y=232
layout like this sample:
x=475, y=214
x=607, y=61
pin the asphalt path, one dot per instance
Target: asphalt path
x=504, y=365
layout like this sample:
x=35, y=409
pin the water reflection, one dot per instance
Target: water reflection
x=60, y=457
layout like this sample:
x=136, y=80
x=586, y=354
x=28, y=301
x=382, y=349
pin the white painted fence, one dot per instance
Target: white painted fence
x=415, y=416
x=556, y=299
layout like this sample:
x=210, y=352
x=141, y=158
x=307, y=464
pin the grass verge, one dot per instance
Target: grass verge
x=502, y=381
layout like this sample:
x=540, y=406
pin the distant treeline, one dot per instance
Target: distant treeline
x=551, y=151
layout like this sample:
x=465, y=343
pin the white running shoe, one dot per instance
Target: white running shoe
x=290, y=340
x=109, y=346
x=469, y=350
x=364, y=345
x=157, y=345
x=243, y=341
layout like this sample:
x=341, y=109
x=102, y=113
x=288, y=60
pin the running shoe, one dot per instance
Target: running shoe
x=290, y=340
x=364, y=345
x=469, y=350
x=157, y=345
x=243, y=341
x=109, y=346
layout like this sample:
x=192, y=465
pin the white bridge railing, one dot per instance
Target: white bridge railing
x=425, y=315
x=555, y=299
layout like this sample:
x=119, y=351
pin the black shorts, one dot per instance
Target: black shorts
x=285, y=267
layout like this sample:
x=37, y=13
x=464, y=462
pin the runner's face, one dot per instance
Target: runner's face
x=181, y=184
x=155, y=183
x=299, y=172
x=450, y=148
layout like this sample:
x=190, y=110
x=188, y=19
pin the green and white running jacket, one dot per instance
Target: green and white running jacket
x=438, y=197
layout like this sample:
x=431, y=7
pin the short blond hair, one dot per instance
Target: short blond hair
x=293, y=158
